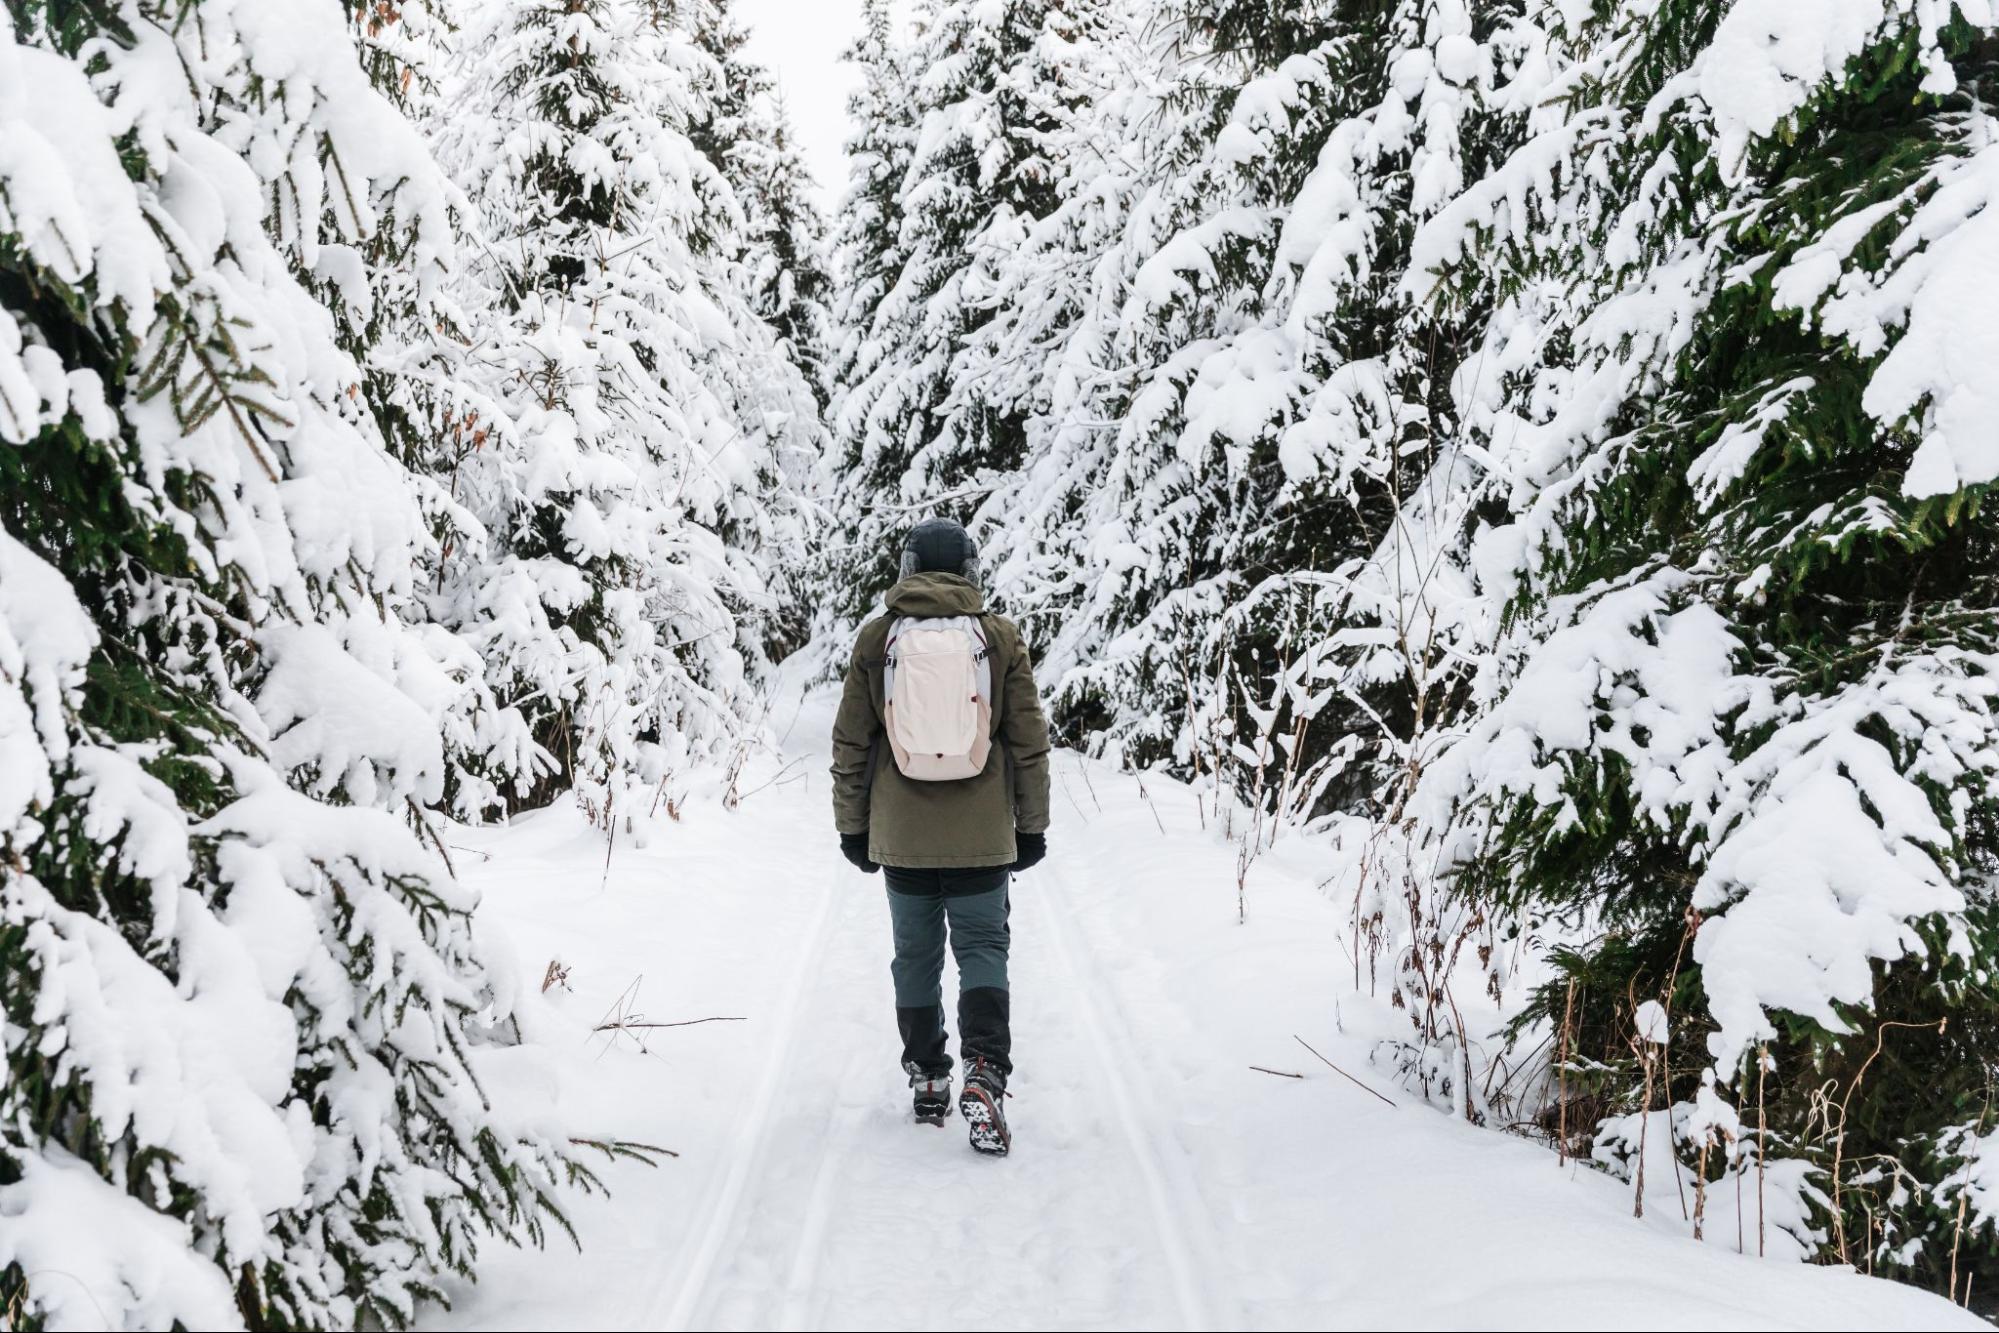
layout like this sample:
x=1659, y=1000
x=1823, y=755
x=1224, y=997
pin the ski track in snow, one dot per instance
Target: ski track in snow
x=1155, y=1182
x=1167, y=1189
x=686, y=1285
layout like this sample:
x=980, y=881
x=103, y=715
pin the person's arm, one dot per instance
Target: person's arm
x=854, y=730
x=1024, y=729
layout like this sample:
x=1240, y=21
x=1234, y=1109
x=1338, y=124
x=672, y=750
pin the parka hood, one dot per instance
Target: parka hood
x=936, y=594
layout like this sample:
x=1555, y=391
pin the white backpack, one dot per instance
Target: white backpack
x=937, y=689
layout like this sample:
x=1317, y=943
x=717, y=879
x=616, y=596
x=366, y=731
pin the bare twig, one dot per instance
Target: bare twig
x=1081, y=813
x=417, y=815
x=1083, y=771
x=782, y=777
x=623, y=1026
x=1147, y=797
x=1341, y=1072
x=1279, y=1072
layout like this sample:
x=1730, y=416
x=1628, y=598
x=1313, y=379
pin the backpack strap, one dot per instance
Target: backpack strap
x=887, y=663
x=994, y=669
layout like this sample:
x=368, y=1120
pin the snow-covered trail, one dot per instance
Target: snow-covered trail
x=831, y=1181
x=1157, y=1181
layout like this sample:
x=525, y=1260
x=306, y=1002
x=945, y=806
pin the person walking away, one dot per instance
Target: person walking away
x=940, y=779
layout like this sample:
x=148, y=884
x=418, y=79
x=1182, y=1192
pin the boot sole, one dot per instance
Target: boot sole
x=988, y=1128
x=936, y=1117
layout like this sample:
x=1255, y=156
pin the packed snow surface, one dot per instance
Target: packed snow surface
x=1157, y=1180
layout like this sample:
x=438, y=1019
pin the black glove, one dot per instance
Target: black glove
x=854, y=846
x=1029, y=848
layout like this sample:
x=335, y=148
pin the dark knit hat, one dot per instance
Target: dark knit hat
x=939, y=545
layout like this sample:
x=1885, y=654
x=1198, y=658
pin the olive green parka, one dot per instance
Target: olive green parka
x=968, y=822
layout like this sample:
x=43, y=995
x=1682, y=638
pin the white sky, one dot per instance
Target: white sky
x=800, y=41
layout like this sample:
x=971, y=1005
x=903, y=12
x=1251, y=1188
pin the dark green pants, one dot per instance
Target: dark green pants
x=967, y=910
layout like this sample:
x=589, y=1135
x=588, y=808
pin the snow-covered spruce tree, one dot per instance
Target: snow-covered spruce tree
x=235, y=981
x=769, y=274
x=725, y=127
x=389, y=288
x=787, y=256
x=868, y=225
x=636, y=468
x=1237, y=523
x=1052, y=353
x=746, y=133
x=1117, y=539
x=1739, y=755
x=984, y=90
x=867, y=260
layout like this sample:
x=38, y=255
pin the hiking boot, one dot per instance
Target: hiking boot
x=930, y=1096
x=983, y=1104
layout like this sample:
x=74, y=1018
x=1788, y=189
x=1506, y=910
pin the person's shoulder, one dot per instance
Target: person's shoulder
x=873, y=635
x=1006, y=634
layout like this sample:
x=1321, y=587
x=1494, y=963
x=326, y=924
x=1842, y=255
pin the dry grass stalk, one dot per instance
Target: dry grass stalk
x=659, y=793
x=1700, y=1187
x=1738, y=1207
x=1562, y=1074
x=1839, y=1132
x=1963, y=1197
x=610, y=837
x=1762, y=1142
x=1957, y=1235
x=1642, y=1048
